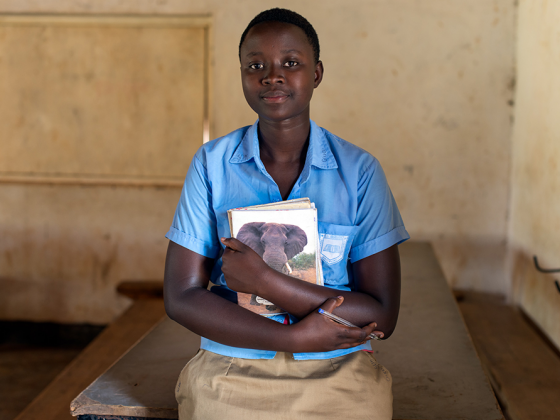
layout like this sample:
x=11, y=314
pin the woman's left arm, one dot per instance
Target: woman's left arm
x=379, y=276
x=376, y=295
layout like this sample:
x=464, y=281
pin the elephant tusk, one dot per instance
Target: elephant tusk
x=289, y=268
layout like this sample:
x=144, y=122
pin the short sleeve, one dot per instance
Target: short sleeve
x=379, y=221
x=194, y=223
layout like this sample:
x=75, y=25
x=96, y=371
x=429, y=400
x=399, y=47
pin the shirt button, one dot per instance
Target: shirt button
x=324, y=160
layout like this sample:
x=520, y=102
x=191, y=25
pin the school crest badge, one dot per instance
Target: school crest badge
x=332, y=247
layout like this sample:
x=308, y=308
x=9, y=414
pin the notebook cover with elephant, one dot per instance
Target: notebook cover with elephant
x=286, y=238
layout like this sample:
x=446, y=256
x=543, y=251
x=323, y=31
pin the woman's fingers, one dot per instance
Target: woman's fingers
x=234, y=244
x=370, y=329
x=361, y=335
x=317, y=332
x=332, y=303
x=351, y=335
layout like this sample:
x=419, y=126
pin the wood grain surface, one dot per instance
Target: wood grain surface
x=54, y=402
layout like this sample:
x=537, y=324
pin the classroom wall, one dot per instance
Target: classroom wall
x=426, y=86
x=101, y=118
x=535, y=201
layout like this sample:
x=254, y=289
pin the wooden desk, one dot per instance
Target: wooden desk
x=436, y=373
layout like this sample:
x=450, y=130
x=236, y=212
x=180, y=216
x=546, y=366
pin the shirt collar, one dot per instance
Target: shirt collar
x=319, y=149
x=319, y=153
x=249, y=146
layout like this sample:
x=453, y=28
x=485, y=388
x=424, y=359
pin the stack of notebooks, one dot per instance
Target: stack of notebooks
x=285, y=235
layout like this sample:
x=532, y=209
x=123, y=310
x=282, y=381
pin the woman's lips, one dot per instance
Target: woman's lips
x=275, y=97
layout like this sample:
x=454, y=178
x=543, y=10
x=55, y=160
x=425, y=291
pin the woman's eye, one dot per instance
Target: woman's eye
x=291, y=63
x=256, y=66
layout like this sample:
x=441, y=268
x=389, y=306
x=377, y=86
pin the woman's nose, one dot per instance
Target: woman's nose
x=274, y=75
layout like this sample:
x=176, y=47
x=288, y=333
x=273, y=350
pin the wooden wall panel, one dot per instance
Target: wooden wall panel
x=101, y=116
x=115, y=98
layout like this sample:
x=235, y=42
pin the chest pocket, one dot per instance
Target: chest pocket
x=335, y=242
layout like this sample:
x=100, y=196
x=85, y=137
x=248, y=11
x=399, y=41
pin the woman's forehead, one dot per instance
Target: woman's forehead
x=275, y=35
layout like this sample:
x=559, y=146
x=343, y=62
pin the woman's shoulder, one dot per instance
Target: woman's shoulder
x=222, y=147
x=348, y=155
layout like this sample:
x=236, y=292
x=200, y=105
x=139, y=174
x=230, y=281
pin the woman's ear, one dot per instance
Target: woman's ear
x=319, y=70
x=250, y=234
x=296, y=241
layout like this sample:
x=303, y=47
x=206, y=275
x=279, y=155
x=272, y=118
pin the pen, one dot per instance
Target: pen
x=343, y=322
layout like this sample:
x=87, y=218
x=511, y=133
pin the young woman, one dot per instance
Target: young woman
x=306, y=366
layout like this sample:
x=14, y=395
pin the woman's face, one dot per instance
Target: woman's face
x=278, y=71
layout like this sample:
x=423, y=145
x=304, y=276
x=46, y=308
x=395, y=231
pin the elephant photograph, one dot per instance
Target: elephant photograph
x=276, y=243
x=287, y=248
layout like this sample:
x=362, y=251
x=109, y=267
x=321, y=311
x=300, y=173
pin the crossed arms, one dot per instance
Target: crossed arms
x=373, y=305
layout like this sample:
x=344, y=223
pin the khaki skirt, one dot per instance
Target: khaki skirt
x=355, y=386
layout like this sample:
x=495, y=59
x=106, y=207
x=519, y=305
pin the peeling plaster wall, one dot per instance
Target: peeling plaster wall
x=64, y=249
x=535, y=202
x=425, y=86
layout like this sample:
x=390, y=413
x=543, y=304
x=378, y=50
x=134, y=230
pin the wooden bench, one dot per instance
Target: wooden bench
x=53, y=403
x=524, y=369
x=436, y=373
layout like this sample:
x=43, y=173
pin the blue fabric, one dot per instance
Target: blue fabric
x=358, y=216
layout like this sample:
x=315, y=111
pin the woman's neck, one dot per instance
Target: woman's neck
x=283, y=149
x=283, y=142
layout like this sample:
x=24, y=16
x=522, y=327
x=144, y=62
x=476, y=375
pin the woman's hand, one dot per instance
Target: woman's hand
x=243, y=268
x=317, y=333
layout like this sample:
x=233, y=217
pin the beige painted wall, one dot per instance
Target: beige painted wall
x=535, y=201
x=100, y=97
x=426, y=86
x=101, y=118
x=65, y=248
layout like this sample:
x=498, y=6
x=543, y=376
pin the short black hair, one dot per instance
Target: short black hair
x=285, y=16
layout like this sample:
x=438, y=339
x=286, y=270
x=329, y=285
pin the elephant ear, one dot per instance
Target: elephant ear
x=250, y=234
x=296, y=241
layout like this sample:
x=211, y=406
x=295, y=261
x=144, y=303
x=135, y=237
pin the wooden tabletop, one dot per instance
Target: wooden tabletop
x=436, y=373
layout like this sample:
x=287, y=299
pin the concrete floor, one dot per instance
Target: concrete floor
x=25, y=371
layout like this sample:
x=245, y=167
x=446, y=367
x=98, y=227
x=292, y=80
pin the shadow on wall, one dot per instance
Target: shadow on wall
x=474, y=263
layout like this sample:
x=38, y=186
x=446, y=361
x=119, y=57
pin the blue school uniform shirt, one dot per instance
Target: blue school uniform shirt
x=355, y=206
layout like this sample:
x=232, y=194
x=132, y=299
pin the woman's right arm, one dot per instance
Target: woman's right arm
x=188, y=302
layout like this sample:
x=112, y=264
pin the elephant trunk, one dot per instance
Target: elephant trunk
x=276, y=260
